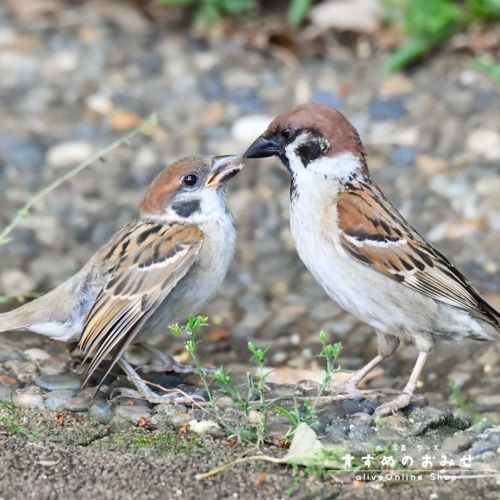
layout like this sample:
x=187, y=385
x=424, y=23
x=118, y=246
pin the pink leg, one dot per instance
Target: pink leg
x=351, y=386
x=404, y=398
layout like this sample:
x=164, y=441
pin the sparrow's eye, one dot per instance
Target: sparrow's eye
x=190, y=180
x=286, y=133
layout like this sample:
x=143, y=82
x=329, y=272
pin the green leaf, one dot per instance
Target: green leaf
x=491, y=68
x=484, y=9
x=294, y=421
x=297, y=12
x=407, y=54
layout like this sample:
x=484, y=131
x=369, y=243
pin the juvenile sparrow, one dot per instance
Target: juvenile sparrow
x=156, y=270
x=362, y=251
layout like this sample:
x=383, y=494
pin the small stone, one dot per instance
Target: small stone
x=27, y=400
x=352, y=406
x=387, y=109
x=132, y=414
x=396, y=85
x=327, y=98
x=168, y=410
x=247, y=128
x=15, y=282
x=490, y=401
x=457, y=443
x=58, y=382
x=56, y=400
x=396, y=422
x=209, y=427
x=6, y=393
x=403, y=156
x=431, y=165
x=101, y=413
x=179, y=419
x=35, y=354
x=339, y=430
x=485, y=143
x=361, y=433
x=78, y=403
x=68, y=153
x=55, y=365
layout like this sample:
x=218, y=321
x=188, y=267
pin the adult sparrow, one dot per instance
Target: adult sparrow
x=156, y=270
x=361, y=249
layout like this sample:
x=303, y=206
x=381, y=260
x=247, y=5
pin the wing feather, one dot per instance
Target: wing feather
x=374, y=233
x=142, y=264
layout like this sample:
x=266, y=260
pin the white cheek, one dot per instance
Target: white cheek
x=340, y=166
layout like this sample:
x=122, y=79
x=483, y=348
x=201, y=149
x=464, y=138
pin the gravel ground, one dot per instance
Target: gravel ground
x=74, y=78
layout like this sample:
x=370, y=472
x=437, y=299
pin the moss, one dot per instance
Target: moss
x=139, y=439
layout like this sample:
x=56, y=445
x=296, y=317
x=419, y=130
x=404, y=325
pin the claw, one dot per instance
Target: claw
x=398, y=403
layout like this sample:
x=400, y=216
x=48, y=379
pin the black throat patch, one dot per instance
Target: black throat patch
x=186, y=208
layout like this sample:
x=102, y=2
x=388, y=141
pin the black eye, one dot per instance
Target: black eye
x=286, y=133
x=190, y=180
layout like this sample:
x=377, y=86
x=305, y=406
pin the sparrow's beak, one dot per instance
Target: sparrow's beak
x=262, y=148
x=223, y=169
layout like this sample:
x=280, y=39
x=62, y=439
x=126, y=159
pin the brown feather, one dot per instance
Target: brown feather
x=376, y=234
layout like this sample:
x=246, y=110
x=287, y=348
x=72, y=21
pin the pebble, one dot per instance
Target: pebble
x=56, y=400
x=16, y=282
x=179, y=419
x=485, y=143
x=209, y=427
x=353, y=406
x=403, y=156
x=81, y=402
x=361, y=433
x=26, y=400
x=100, y=412
x=6, y=393
x=58, y=382
x=35, y=354
x=68, y=153
x=247, y=128
x=387, y=109
x=132, y=413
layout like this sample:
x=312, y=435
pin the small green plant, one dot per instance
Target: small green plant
x=208, y=13
x=10, y=421
x=429, y=23
x=308, y=413
x=489, y=67
x=259, y=358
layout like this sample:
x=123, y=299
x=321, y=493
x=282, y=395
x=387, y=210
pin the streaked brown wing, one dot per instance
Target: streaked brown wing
x=144, y=263
x=376, y=234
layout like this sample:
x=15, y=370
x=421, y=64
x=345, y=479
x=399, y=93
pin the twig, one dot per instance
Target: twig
x=144, y=128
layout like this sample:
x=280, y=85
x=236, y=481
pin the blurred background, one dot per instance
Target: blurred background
x=418, y=78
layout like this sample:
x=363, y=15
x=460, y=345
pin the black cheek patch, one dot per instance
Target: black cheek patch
x=308, y=152
x=186, y=208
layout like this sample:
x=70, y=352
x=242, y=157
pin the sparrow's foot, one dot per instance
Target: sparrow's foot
x=398, y=403
x=348, y=389
x=144, y=392
x=173, y=397
x=168, y=364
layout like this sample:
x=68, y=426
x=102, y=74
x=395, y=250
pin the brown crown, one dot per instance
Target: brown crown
x=329, y=122
x=166, y=184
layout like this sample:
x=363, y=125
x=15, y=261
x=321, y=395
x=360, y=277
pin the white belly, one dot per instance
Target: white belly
x=360, y=290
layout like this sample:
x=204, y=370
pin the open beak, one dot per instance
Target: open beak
x=262, y=148
x=223, y=168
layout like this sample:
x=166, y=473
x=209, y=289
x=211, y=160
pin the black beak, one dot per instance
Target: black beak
x=262, y=148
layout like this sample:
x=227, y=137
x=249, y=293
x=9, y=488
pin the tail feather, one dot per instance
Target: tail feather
x=14, y=320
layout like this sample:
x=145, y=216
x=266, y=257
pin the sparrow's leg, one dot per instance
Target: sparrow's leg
x=144, y=392
x=351, y=386
x=403, y=400
x=387, y=346
x=168, y=364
